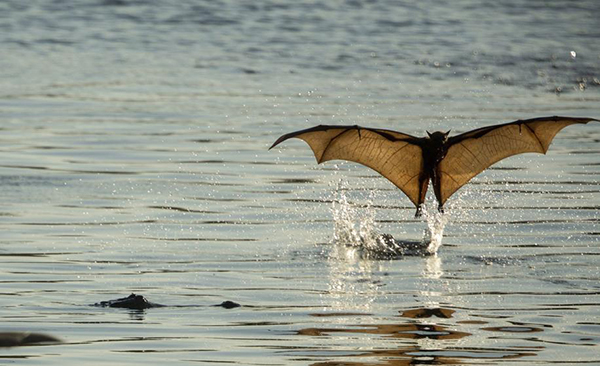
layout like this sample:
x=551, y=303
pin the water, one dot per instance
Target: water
x=134, y=158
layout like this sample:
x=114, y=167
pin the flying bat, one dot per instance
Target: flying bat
x=449, y=162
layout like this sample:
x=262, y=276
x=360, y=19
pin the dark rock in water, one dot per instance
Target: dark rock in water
x=14, y=339
x=133, y=301
x=139, y=302
x=228, y=304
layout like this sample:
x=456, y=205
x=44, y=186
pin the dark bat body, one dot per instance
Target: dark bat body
x=410, y=163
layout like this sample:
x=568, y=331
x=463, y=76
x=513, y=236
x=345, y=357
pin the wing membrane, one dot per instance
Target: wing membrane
x=472, y=152
x=396, y=156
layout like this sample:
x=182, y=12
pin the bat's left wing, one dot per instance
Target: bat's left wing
x=396, y=156
x=472, y=152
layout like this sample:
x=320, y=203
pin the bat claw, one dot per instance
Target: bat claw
x=419, y=212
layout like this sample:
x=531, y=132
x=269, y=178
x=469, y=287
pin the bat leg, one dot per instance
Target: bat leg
x=423, y=183
x=438, y=191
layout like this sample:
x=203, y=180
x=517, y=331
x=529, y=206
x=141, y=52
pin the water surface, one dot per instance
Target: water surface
x=134, y=158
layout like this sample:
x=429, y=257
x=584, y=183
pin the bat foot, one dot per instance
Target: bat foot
x=440, y=209
x=419, y=212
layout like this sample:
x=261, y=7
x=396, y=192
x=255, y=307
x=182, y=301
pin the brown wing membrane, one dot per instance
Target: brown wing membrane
x=472, y=152
x=396, y=156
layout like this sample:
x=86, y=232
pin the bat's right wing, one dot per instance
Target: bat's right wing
x=396, y=156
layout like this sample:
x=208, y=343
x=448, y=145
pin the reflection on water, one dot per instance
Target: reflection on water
x=449, y=334
x=433, y=268
x=432, y=341
x=429, y=335
x=352, y=284
x=428, y=313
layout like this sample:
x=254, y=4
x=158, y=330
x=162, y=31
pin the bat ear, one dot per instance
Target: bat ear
x=428, y=133
x=447, y=133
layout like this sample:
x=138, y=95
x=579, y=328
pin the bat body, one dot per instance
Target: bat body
x=448, y=162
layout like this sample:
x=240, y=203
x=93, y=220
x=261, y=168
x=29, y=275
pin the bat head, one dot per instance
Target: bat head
x=438, y=136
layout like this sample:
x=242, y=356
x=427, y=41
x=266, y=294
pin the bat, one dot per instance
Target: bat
x=449, y=162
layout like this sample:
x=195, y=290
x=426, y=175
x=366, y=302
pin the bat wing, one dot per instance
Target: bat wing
x=472, y=152
x=396, y=156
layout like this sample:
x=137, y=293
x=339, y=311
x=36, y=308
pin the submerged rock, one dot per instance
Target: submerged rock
x=139, y=302
x=133, y=301
x=15, y=339
x=228, y=304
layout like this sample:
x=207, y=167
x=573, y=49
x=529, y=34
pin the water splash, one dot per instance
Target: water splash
x=353, y=226
x=356, y=228
x=436, y=222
